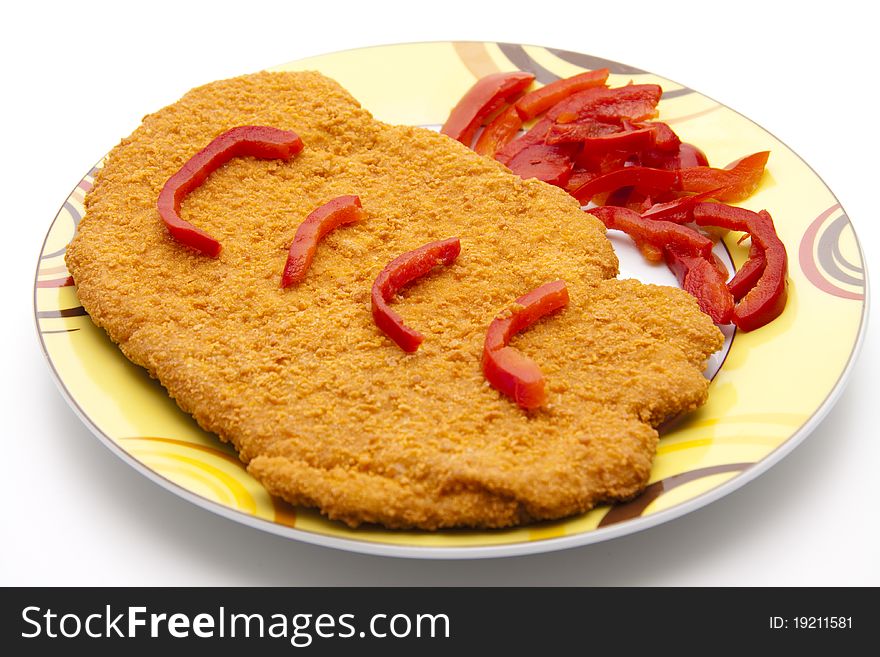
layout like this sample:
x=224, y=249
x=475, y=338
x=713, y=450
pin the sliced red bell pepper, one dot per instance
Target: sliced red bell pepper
x=665, y=138
x=631, y=137
x=766, y=300
x=499, y=132
x=652, y=236
x=614, y=105
x=507, y=369
x=644, y=179
x=680, y=210
x=341, y=210
x=747, y=276
x=579, y=177
x=690, y=156
x=247, y=140
x=625, y=197
x=599, y=163
x=739, y=180
x=600, y=137
x=505, y=126
x=486, y=95
x=397, y=273
x=540, y=100
x=682, y=156
x=536, y=135
x=633, y=102
x=705, y=281
x=552, y=163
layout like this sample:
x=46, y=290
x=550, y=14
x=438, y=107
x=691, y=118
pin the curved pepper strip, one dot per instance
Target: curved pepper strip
x=507, y=369
x=652, y=236
x=499, y=132
x=633, y=102
x=341, y=210
x=766, y=300
x=252, y=140
x=680, y=211
x=579, y=177
x=747, y=276
x=738, y=181
x=484, y=97
x=552, y=163
x=665, y=139
x=705, y=280
x=598, y=137
x=598, y=164
x=397, y=273
x=644, y=179
x=683, y=156
x=627, y=197
x=534, y=136
x=540, y=100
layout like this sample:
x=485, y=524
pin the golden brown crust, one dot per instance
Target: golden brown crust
x=326, y=410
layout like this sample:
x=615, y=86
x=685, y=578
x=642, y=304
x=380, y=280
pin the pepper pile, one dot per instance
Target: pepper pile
x=604, y=147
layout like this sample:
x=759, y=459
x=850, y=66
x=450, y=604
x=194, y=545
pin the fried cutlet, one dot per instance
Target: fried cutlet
x=323, y=408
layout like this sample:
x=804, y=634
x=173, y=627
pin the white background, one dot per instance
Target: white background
x=79, y=76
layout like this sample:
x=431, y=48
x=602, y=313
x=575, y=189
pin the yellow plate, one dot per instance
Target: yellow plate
x=770, y=387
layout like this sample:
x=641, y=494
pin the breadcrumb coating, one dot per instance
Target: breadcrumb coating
x=323, y=408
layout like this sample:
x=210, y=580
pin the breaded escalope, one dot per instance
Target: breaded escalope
x=323, y=408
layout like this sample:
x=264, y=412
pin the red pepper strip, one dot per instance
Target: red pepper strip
x=551, y=163
x=739, y=181
x=404, y=269
x=703, y=280
x=535, y=135
x=499, y=132
x=747, y=276
x=654, y=233
x=720, y=267
x=633, y=102
x=633, y=138
x=691, y=156
x=341, y=210
x=540, y=100
x=581, y=130
x=766, y=300
x=486, y=96
x=508, y=369
x=681, y=210
x=579, y=177
x=665, y=138
x=253, y=140
x=683, y=156
x=625, y=197
x=600, y=137
x=644, y=179
x=589, y=166
x=601, y=163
